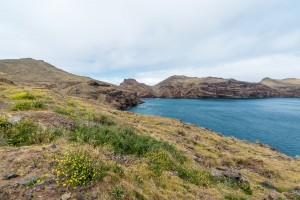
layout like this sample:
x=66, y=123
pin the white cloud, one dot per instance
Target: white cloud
x=132, y=38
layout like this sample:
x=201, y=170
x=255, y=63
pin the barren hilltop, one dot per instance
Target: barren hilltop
x=64, y=136
x=213, y=87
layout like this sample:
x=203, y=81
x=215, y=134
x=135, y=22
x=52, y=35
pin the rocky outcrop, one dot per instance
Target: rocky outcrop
x=209, y=87
x=142, y=89
x=37, y=73
x=104, y=92
x=289, y=87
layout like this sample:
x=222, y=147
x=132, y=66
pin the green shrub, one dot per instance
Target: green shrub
x=64, y=110
x=241, y=184
x=23, y=95
x=98, y=118
x=26, y=132
x=196, y=177
x=4, y=122
x=77, y=169
x=28, y=105
x=122, y=140
x=117, y=192
x=160, y=161
x=139, y=196
x=231, y=197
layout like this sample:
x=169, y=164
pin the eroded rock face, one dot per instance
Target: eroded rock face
x=142, y=89
x=192, y=87
x=104, y=92
x=289, y=87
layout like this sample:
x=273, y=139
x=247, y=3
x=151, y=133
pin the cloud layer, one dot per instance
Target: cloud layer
x=152, y=39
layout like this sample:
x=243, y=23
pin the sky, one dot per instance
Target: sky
x=150, y=40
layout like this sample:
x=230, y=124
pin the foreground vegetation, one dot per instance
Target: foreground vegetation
x=108, y=154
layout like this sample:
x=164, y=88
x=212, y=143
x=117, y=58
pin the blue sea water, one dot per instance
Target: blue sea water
x=275, y=122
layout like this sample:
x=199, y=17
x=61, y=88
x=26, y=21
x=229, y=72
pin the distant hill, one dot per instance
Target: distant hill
x=289, y=87
x=207, y=87
x=37, y=73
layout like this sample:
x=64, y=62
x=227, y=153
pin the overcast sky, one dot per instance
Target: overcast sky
x=150, y=40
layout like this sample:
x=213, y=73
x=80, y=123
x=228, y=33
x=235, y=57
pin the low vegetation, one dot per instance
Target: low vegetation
x=26, y=132
x=122, y=140
x=28, y=105
x=23, y=95
x=75, y=169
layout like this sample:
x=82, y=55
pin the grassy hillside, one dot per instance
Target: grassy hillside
x=61, y=146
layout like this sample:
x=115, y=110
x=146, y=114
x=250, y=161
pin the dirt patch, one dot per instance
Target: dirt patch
x=47, y=118
x=3, y=105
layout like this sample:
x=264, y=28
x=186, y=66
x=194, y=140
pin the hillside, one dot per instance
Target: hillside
x=37, y=73
x=208, y=87
x=57, y=146
x=142, y=89
x=289, y=87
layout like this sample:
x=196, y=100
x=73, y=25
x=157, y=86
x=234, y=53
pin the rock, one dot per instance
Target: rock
x=80, y=197
x=53, y=146
x=10, y=176
x=226, y=172
x=13, y=120
x=271, y=197
x=297, y=192
x=28, y=194
x=94, y=195
x=268, y=184
x=66, y=196
x=29, y=181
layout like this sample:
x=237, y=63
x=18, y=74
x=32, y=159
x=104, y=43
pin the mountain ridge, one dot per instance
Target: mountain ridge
x=179, y=86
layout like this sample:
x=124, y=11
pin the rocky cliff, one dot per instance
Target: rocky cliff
x=209, y=87
x=142, y=89
x=37, y=73
x=289, y=87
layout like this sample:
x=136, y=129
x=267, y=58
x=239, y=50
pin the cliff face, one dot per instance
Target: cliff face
x=142, y=89
x=289, y=87
x=209, y=87
x=37, y=73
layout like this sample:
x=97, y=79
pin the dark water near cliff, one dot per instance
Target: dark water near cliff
x=275, y=122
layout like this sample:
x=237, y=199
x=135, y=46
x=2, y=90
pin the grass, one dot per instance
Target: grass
x=64, y=110
x=26, y=133
x=232, y=197
x=197, y=177
x=23, y=95
x=238, y=184
x=117, y=192
x=122, y=140
x=28, y=105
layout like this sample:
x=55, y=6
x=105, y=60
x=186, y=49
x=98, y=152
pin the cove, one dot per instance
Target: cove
x=274, y=121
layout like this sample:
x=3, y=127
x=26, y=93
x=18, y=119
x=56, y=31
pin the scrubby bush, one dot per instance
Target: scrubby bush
x=232, y=197
x=117, y=192
x=27, y=105
x=23, y=95
x=64, y=110
x=196, y=177
x=98, y=118
x=160, y=161
x=238, y=184
x=74, y=169
x=122, y=140
x=26, y=132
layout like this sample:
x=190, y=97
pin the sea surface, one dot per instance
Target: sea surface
x=275, y=122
